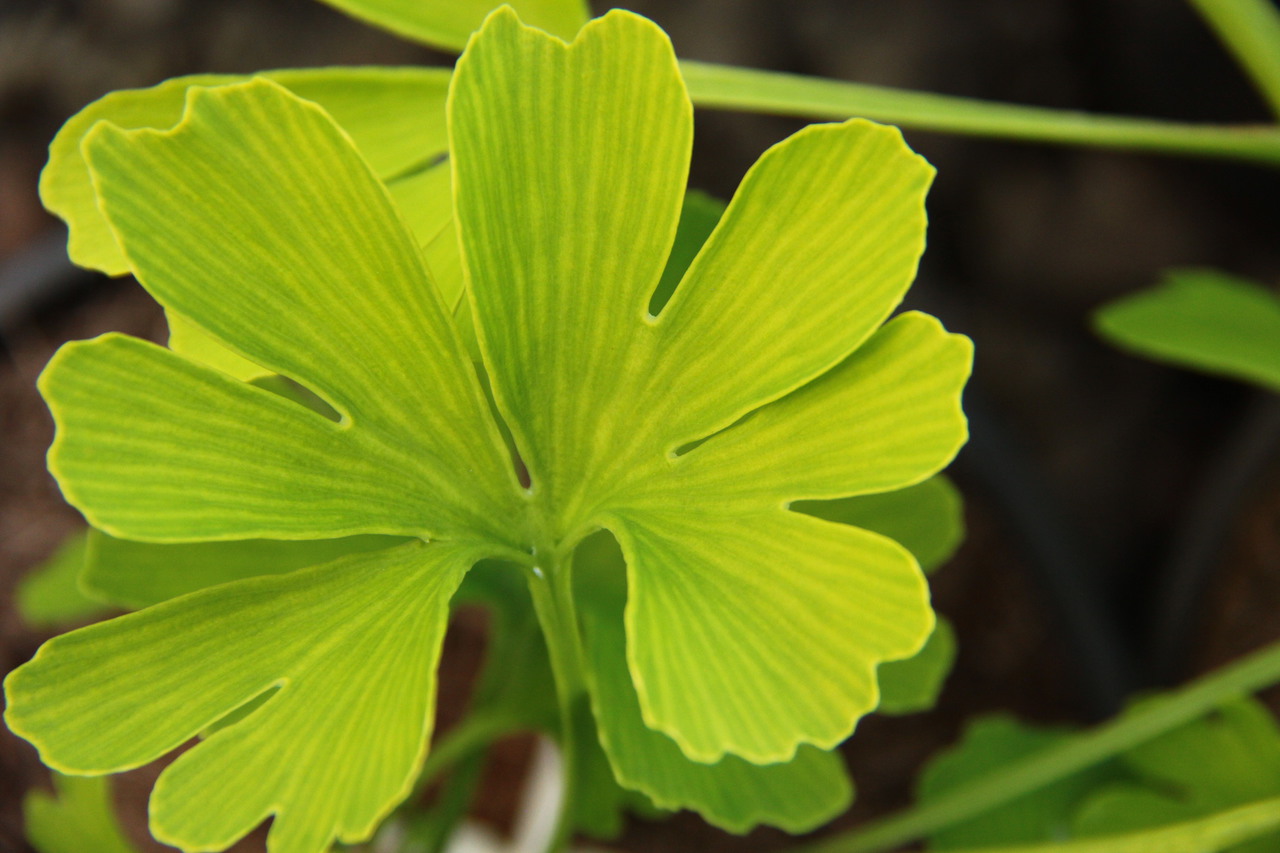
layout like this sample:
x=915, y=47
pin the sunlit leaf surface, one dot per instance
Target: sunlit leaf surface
x=394, y=115
x=752, y=633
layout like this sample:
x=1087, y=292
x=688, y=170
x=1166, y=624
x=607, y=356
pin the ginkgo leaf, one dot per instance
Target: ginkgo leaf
x=448, y=24
x=912, y=685
x=560, y=289
x=358, y=637
x=1229, y=758
x=140, y=574
x=750, y=629
x=927, y=519
x=51, y=594
x=1205, y=320
x=227, y=266
x=394, y=115
x=78, y=819
x=732, y=793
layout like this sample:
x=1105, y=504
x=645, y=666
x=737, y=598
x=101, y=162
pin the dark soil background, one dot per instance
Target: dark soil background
x=1124, y=517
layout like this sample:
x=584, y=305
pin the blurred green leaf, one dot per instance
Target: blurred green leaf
x=52, y=594
x=79, y=819
x=912, y=685
x=1042, y=815
x=1204, y=320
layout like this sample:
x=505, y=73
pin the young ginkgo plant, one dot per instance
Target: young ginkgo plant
x=543, y=401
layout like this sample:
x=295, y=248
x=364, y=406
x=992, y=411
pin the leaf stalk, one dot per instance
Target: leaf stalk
x=551, y=585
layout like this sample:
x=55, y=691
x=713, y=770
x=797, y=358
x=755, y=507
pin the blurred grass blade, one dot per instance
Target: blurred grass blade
x=1250, y=29
x=1206, y=835
x=751, y=90
x=1154, y=718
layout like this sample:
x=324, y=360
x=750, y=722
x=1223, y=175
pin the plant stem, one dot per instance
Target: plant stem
x=1149, y=720
x=474, y=733
x=551, y=585
x=1250, y=29
x=727, y=87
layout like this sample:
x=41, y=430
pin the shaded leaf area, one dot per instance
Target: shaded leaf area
x=140, y=574
x=1228, y=759
x=52, y=595
x=1203, y=320
x=912, y=685
x=77, y=819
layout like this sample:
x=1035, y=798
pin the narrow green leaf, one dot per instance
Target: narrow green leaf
x=140, y=574
x=1229, y=758
x=447, y=25
x=394, y=115
x=352, y=646
x=1250, y=29
x=993, y=742
x=1205, y=320
x=51, y=594
x=725, y=87
x=78, y=819
x=1210, y=834
x=912, y=685
x=927, y=518
x=1056, y=762
x=731, y=793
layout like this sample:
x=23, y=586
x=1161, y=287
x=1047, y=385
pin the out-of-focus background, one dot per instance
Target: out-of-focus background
x=1124, y=518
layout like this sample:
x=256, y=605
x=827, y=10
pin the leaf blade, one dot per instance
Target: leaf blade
x=121, y=693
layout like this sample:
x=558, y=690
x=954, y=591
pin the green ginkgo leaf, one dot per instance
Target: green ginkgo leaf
x=751, y=630
x=78, y=819
x=707, y=526
x=395, y=116
x=1205, y=320
x=358, y=637
x=913, y=685
x=732, y=793
x=447, y=25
